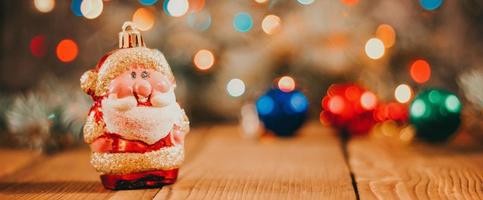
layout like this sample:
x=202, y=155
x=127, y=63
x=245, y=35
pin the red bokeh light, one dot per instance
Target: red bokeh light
x=67, y=50
x=38, y=46
x=350, y=2
x=420, y=71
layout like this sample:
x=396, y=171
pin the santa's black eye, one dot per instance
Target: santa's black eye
x=145, y=74
x=133, y=75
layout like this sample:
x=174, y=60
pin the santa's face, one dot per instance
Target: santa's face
x=141, y=105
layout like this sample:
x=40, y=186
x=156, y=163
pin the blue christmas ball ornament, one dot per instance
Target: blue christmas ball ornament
x=282, y=112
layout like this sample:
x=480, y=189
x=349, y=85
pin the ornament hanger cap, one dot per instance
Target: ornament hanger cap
x=130, y=36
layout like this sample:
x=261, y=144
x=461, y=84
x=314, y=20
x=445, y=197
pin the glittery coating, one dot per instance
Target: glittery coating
x=125, y=59
x=92, y=129
x=122, y=163
x=88, y=81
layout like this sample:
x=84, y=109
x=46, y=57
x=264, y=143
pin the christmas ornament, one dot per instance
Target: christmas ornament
x=282, y=112
x=349, y=107
x=135, y=127
x=435, y=113
x=393, y=111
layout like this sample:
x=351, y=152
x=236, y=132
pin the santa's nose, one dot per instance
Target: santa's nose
x=142, y=87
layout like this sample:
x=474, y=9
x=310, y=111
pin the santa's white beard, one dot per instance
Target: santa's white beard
x=145, y=123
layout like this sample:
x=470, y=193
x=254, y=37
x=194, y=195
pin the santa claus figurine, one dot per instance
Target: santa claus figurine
x=135, y=128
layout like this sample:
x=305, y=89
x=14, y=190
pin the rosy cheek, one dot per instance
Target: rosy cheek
x=121, y=86
x=159, y=83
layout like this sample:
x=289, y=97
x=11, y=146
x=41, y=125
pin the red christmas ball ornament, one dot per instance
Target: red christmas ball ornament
x=391, y=111
x=349, y=107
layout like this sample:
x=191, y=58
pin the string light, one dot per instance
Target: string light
x=368, y=100
x=420, y=71
x=386, y=34
x=374, y=48
x=243, y=22
x=143, y=18
x=148, y=2
x=286, y=84
x=235, y=87
x=44, y=6
x=271, y=24
x=306, y=2
x=298, y=102
x=91, y=9
x=430, y=4
x=403, y=93
x=38, y=46
x=177, y=8
x=67, y=50
x=204, y=59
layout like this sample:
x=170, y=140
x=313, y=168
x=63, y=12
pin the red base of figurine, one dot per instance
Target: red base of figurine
x=149, y=179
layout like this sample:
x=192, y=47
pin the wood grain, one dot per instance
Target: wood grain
x=227, y=166
x=385, y=169
x=68, y=175
x=14, y=159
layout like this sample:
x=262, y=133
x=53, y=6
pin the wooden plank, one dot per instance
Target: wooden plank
x=68, y=175
x=310, y=166
x=14, y=159
x=386, y=169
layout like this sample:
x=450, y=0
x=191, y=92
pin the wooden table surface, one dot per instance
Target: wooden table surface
x=221, y=164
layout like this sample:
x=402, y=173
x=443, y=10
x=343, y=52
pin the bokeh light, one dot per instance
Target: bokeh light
x=452, y=104
x=420, y=71
x=336, y=104
x=418, y=108
x=298, y=102
x=143, y=18
x=204, y=59
x=196, y=5
x=67, y=50
x=386, y=34
x=430, y=4
x=306, y=2
x=176, y=8
x=403, y=93
x=271, y=24
x=200, y=20
x=368, y=100
x=38, y=46
x=261, y=1
x=243, y=22
x=350, y=2
x=44, y=6
x=265, y=105
x=286, y=84
x=148, y=2
x=75, y=7
x=235, y=87
x=374, y=48
x=91, y=9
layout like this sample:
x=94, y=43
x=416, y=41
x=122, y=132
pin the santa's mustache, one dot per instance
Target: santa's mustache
x=126, y=103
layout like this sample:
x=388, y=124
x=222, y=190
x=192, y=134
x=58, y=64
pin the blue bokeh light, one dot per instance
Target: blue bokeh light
x=265, y=105
x=430, y=4
x=75, y=6
x=148, y=2
x=200, y=21
x=298, y=102
x=243, y=22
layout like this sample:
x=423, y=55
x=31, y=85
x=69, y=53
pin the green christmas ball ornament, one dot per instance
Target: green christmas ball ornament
x=436, y=114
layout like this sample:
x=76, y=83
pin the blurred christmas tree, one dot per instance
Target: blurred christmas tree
x=209, y=43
